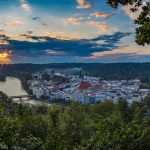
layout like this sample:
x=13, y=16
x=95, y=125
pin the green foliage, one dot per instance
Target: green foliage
x=31, y=143
x=123, y=108
x=9, y=130
x=3, y=146
x=24, y=79
x=113, y=71
x=105, y=108
x=147, y=103
x=46, y=77
x=143, y=21
x=143, y=30
x=103, y=126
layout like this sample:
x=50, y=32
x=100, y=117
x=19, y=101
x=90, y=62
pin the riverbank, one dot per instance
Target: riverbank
x=12, y=87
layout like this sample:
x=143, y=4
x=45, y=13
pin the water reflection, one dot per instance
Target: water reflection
x=12, y=87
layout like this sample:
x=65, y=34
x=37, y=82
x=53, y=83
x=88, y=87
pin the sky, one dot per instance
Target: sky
x=58, y=31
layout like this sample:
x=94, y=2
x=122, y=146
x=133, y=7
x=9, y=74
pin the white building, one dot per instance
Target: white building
x=38, y=92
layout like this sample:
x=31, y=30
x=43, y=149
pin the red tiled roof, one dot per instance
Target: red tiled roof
x=84, y=85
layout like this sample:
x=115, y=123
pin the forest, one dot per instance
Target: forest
x=103, y=126
x=112, y=71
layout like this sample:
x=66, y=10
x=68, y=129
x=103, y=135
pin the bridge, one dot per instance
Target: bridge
x=21, y=98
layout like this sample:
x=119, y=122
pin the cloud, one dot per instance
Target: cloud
x=102, y=26
x=54, y=35
x=56, y=47
x=73, y=21
x=53, y=52
x=43, y=24
x=25, y=5
x=14, y=23
x=111, y=57
x=134, y=15
x=36, y=18
x=3, y=37
x=58, y=36
x=83, y=4
x=98, y=14
x=126, y=52
x=2, y=30
x=3, y=40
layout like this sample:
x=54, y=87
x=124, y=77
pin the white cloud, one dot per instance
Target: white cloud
x=130, y=50
x=25, y=5
x=53, y=52
x=14, y=23
x=83, y=4
x=133, y=15
x=98, y=14
x=102, y=26
x=73, y=21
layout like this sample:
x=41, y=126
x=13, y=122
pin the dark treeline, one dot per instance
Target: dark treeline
x=107, y=71
x=103, y=126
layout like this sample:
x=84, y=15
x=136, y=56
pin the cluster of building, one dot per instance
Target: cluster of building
x=84, y=89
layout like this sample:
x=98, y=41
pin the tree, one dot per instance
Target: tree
x=74, y=128
x=147, y=103
x=143, y=21
x=143, y=31
x=3, y=146
x=145, y=138
x=123, y=109
x=46, y=76
x=31, y=143
x=106, y=125
x=53, y=141
x=9, y=131
x=105, y=108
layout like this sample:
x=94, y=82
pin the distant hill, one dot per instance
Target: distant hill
x=106, y=71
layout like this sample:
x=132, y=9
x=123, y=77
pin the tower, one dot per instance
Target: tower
x=81, y=76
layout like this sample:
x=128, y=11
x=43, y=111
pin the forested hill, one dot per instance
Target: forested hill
x=107, y=71
x=103, y=126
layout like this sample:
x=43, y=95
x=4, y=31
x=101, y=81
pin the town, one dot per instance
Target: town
x=84, y=89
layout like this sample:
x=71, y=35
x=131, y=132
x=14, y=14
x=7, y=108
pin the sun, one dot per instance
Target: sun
x=4, y=57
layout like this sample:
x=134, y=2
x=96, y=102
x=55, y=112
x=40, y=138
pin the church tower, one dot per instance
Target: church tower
x=81, y=76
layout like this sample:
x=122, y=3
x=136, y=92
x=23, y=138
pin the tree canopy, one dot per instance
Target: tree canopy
x=142, y=22
x=103, y=126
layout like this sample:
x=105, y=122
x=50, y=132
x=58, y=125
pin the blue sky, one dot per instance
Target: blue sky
x=44, y=31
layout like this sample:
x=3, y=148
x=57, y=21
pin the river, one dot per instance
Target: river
x=12, y=87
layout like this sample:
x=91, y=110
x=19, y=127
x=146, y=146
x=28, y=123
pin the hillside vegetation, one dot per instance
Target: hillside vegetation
x=116, y=71
x=103, y=126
